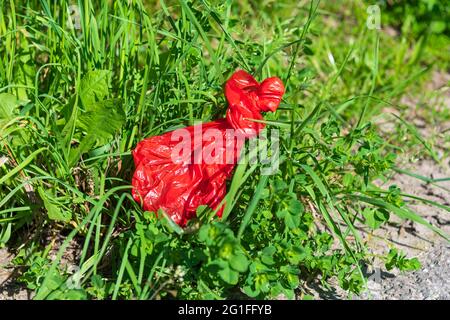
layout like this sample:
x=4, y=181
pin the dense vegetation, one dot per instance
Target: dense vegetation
x=82, y=82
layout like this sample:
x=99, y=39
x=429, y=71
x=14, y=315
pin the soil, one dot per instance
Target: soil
x=9, y=288
x=12, y=289
x=432, y=281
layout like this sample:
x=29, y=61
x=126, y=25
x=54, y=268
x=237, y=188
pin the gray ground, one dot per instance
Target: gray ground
x=432, y=281
x=9, y=289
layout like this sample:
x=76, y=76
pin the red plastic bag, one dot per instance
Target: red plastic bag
x=183, y=169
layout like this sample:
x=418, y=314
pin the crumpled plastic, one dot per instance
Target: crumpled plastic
x=179, y=185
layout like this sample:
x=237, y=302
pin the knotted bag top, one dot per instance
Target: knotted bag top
x=247, y=99
x=178, y=188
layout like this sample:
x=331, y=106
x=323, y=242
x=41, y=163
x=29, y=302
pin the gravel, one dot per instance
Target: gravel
x=431, y=282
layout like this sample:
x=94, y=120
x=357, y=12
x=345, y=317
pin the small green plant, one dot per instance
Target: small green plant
x=398, y=260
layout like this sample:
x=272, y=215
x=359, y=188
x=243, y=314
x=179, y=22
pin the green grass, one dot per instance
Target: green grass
x=77, y=92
